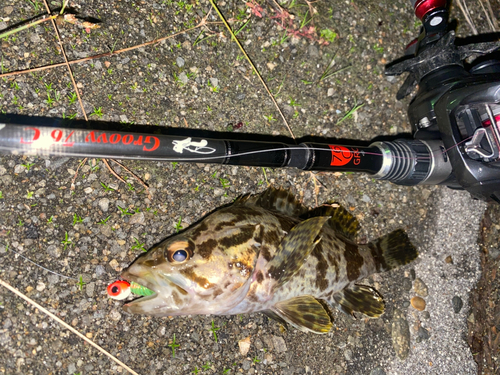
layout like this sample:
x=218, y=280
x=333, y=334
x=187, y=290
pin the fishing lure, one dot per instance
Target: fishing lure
x=121, y=289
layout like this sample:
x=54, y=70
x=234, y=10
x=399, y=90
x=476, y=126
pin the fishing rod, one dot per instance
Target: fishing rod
x=455, y=119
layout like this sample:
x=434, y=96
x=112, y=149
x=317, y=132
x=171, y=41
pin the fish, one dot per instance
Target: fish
x=268, y=252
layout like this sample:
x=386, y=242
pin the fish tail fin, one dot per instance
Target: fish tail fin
x=392, y=250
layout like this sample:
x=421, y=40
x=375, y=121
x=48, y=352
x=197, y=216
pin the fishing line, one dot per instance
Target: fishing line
x=39, y=265
x=268, y=150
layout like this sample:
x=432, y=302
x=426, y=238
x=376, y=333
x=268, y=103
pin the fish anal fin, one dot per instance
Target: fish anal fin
x=360, y=298
x=294, y=249
x=305, y=313
x=341, y=221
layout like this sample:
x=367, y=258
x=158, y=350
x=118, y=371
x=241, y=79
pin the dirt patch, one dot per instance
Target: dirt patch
x=484, y=315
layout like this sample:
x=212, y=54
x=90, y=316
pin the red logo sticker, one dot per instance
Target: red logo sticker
x=340, y=155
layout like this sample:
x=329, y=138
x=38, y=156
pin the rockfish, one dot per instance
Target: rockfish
x=268, y=253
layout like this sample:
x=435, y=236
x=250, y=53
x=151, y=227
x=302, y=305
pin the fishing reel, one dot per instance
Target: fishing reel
x=455, y=115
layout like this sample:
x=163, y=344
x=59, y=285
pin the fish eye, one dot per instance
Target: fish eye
x=180, y=256
x=180, y=251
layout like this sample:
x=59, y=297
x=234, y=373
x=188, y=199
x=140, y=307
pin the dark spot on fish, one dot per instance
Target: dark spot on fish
x=303, y=308
x=354, y=261
x=271, y=237
x=199, y=230
x=251, y=296
x=321, y=267
x=205, y=248
x=310, y=317
x=333, y=263
x=244, y=235
x=200, y=280
x=180, y=290
x=264, y=251
x=224, y=224
x=217, y=292
x=176, y=298
x=286, y=222
x=260, y=235
x=377, y=254
x=243, y=213
x=259, y=277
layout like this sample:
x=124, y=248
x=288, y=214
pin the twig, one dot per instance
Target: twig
x=492, y=14
x=252, y=65
x=133, y=175
x=487, y=16
x=66, y=325
x=112, y=170
x=76, y=173
x=465, y=11
x=56, y=30
x=154, y=41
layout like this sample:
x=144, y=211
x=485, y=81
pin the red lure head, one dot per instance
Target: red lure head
x=119, y=289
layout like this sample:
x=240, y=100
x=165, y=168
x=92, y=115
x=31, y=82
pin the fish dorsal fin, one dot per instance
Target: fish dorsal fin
x=360, y=298
x=341, y=220
x=274, y=199
x=294, y=249
x=305, y=313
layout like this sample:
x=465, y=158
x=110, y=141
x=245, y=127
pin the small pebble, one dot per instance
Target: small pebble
x=378, y=371
x=418, y=303
x=279, y=344
x=244, y=346
x=137, y=218
x=400, y=333
x=104, y=204
x=412, y=274
x=406, y=284
x=348, y=354
x=449, y=259
x=457, y=304
x=180, y=62
x=40, y=286
x=420, y=288
x=115, y=315
x=423, y=333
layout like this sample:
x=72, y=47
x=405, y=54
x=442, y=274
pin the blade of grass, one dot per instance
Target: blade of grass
x=26, y=26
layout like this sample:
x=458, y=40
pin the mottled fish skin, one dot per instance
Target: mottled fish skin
x=267, y=253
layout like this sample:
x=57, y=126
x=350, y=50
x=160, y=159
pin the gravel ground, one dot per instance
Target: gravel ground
x=201, y=81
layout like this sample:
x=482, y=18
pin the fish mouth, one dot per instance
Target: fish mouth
x=159, y=303
x=140, y=281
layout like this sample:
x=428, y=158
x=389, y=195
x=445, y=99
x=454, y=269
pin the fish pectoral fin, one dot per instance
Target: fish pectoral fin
x=294, y=249
x=360, y=298
x=305, y=313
